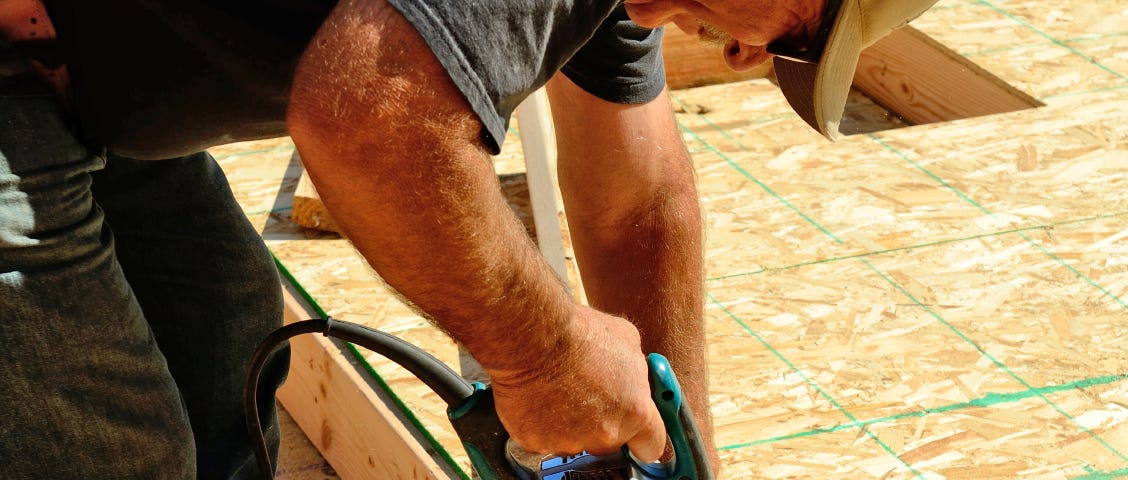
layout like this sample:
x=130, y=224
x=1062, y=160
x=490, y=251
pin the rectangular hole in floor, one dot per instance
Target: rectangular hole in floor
x=908, y=78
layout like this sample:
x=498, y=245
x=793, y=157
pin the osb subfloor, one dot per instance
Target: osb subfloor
x=934, y=301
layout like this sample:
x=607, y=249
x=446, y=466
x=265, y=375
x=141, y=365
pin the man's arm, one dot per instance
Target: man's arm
x=396, y=154
x=630, y=196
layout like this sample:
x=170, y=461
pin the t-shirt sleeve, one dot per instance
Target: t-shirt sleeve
x=622, y=62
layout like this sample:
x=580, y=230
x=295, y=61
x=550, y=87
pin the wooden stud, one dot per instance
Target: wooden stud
x=538, y=140
x=308, y=211
x=923, y=81
x=354, y=424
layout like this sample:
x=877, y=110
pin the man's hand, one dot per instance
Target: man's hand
x=603, y=375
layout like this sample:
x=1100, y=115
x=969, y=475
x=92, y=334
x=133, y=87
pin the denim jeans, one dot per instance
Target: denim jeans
x=132, y=295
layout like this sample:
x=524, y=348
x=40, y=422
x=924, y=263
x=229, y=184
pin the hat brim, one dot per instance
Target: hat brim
x=817, y=92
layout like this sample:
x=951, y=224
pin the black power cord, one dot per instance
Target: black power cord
x=436, y=374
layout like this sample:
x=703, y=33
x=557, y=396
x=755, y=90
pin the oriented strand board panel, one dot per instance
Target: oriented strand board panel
x=947, y=300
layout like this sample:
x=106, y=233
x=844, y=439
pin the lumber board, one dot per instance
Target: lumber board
x=925, y=82
x=356, y=427
x=538, y=142
x=691, y=63
x=308, y=211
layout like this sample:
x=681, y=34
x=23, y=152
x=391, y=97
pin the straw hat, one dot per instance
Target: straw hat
x=816, y=79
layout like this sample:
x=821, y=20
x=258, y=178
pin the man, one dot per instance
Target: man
x=133, y=291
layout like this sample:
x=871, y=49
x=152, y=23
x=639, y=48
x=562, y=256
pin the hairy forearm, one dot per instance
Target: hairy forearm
x=630, y=193
x=415, y=192
x=451, y=247
x=636, y=224
x=647, y=267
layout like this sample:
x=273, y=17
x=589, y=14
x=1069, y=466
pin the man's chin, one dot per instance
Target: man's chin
x=704, y=32
x=643, y=14
x=711, y=35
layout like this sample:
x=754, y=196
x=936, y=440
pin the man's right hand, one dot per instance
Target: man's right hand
x=593, y=397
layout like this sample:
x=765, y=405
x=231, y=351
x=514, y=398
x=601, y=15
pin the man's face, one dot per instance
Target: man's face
x=744, y=27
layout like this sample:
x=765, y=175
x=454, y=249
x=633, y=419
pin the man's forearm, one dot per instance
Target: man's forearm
x=647, y=266
x=414, y=190
x=648, y=269
x=636, y=224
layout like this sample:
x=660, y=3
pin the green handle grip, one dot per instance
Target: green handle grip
x=691, y=461
x=476, y=423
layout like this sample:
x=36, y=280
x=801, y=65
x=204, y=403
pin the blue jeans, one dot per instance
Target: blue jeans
x=132, y=295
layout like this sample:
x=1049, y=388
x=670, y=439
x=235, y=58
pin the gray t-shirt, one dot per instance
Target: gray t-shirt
x=499, y=52
x=163, y=78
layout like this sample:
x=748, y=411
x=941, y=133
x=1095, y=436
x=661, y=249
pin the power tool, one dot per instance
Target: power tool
x=471, y=411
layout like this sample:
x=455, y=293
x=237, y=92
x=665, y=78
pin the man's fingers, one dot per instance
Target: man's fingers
x=650, y=443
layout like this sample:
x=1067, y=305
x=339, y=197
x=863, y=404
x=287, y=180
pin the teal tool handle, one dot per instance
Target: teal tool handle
x=691, y=461
x=476, y=423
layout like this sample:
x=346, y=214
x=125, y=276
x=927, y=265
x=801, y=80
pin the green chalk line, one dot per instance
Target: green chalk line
x=994, y=360
x=1081, y=39
x=1074, y=271
x=940, y=319
x=762, y=185
x=988, y=400
x=999, y=233
x=897, y=286
x=273, y=210
x=983, y=209
x=1083, y=92
x=1053, y=40
x=811, y=383
x=374, y=375
x=1099, y=475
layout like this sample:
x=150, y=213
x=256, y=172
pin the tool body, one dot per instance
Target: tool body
x=472, y=413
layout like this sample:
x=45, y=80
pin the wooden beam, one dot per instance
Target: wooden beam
x=354, y=424
x=538, y=141
x=307, y=210
x=923, y=81
x=690, y=63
